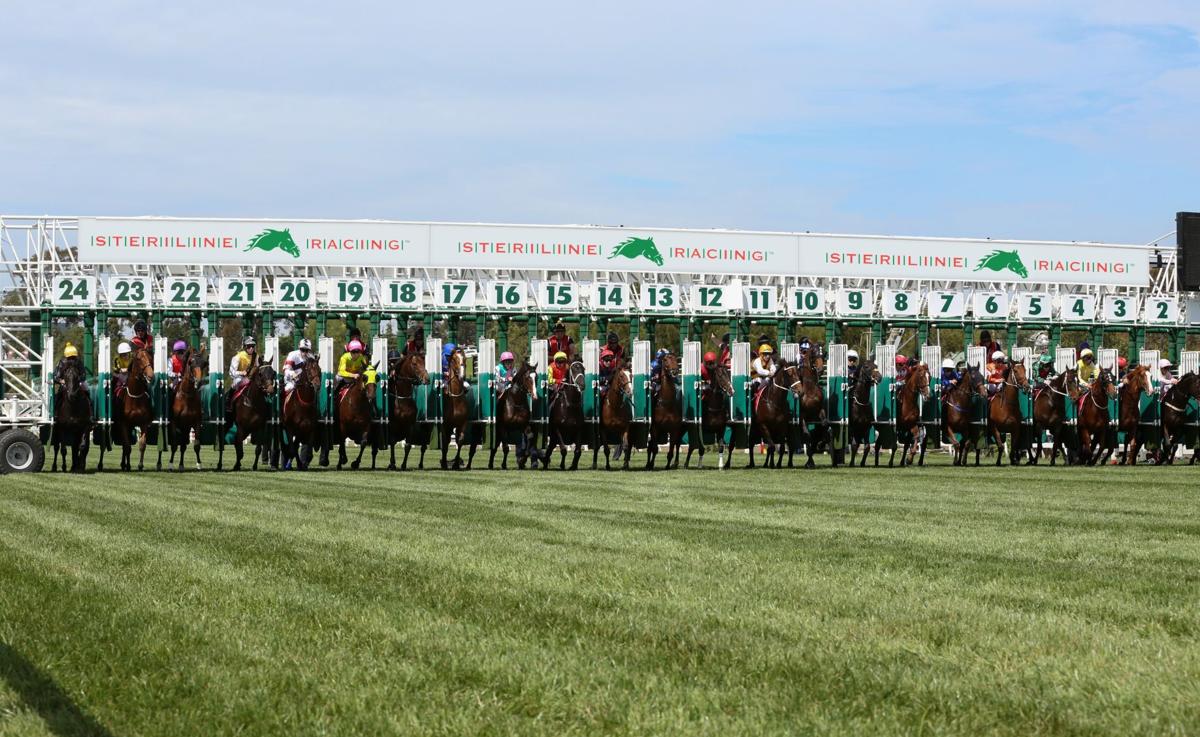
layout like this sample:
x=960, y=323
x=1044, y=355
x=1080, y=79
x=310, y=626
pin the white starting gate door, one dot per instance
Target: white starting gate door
x=739, y=378
x=641, y=380
x=539, y=355
x=977, y=358
x=1150, y=417
x=837, y=397
x=885, y=395
x=485, y=387
x=102, y=391
x=1024, y=356
x=931, y=411
x=160, y=401
x=691, y=386
x=1189, y=363
x=433, y=367
x=48, y=379
x=591, y=380
x=216, y=389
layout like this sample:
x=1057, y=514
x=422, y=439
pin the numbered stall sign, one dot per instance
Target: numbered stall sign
x=349, y=292
x=942, y=304
x=1120, y=308
x=506, y=295
x=401, y=294
x=295, y=292
x=610, y=297
x=558, y=296
x=714, y=298
x=70, y=291
x=1078, y=308
x=901, y=303
x=985, y=305
x=659, y=297
x=853, y=302
x=128, y=290
x=805, y=301
x=1031, y=306
x=1161, y=310
x=184, y=291
x=454, y=294
x=760, y=300
x=240, y=291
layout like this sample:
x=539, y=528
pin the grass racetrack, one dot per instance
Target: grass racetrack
x=923, y=601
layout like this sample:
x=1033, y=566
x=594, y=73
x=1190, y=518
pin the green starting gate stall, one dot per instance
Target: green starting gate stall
x=160, y=397
x=740, y=403
x=1106, y=360
x=591, y=382
x=539, y=355
x=837, y=398
x=1189, y=363
x=883, y=400
x=977, y=358
x=1064, y=360
x=1150, y=422
x=931, y=409
x=101, y=390
x=691, y=386
x=1024, y=356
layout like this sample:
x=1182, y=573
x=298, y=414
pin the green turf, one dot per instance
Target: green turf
x=925, y=601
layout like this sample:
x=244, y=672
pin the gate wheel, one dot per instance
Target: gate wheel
x=21, y=452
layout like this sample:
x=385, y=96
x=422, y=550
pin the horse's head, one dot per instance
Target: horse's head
x=792, y=381
x=1104, y=384
x=197, y=366
x=720, y=379
x=621, y=383
x=1019, y=376
x=1070, y=384
x=1139, y=379
x=264, y=377
x=918, y=379
x=523, y=377
x=411, y=367
x=670, y=365
x=311, y=373
x=975, y=381
x=141, y=365
x=72, y=377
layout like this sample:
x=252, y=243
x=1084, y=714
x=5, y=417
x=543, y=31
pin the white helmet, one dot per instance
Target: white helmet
x=305, y=344
x=998, y=356
x=948, y=363
x=1164, y=363
x=851, y=353
x=124, y=348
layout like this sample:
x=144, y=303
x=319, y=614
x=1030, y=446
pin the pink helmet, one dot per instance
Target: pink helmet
x=507, y=356
x=900, y=359
x=355, y=345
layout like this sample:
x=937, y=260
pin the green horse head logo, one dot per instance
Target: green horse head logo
x=269, y=240
x=1001, y=260
x=638, y=247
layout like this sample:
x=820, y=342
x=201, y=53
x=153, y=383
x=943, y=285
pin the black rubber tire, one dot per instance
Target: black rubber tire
x=21, y=452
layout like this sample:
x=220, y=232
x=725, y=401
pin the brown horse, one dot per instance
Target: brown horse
x=913, y=389
x=1174, y=414
x=666, y=415
x=302, y=415
x=72, y=416
x=1004, y=412
x=1094, y=417
x=811, y=402
x=566, y=424
x=186, y=414
x=405, y=375
x=771, y=415
x=1050, y=413
x=958, y=414
x=456, y=414
x=134, y=409
x=862, y=410
x=251, y=413
x=616, y=415
x=354, y=401
x=513, y=413
x=1129, y=412
x=714, y=416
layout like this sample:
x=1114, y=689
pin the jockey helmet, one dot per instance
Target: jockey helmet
x=1046, y=358
x=998, y=356
x=948, y=363
x=179, y=346
x=765, y=349
x=725, y=338
x=355, y=345
x=559, y=326
x=606, y=353
x=852, y=354
x=1122, y=363
x=448, y=349
x=1164, y=363
x=612, y=338
x=305, y=344
x=710, y=357
x=139, y=326
x=900, y=359
x=70, y=350
x=124, y=348
x=804, y=340
x=1086, y=353
x=507, y=356
x=560, y=356
x=661, y=352
x=249, y=342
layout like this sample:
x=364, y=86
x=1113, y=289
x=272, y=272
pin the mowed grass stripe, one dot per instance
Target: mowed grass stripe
x=713, y=603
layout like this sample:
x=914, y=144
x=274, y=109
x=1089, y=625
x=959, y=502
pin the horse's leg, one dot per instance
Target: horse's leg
x=562, y=454
x=627, y=446
x=924, y=444
x=445, y=443
x=471, y=454
x=504, y=459
x=495, y=447
x=407, y=450
x=548, y=451
x=362, y=446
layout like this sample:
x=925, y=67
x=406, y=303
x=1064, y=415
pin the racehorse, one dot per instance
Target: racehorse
x=186, y=413
x=666, y=415
x=1094, y=417
x=406, y=374
x=456, y=414
x=302, y=415
x=1004, y=412
x=1050, y=413
x=565, y=422
x=1129, y=412
x=72, y=416
x=714, y=416
x=354, y=402
x=1174, y=414
x=133, y=402
x=862, y=410
x=958, y=414
x=251, y=413
x=912, y=390
x=812, y=404
x=513, y=413
x=771, y=414
x=616, y=415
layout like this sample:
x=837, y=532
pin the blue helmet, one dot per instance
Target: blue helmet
x=448, y=349
x=661, y=352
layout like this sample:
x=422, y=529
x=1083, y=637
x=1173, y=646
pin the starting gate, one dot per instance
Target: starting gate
x=1189, y=363
x=885, y=396
x=641, y=380
x=102, y=391
x=591, y=380
x=1064, y=360
x=214, y=392
x=485, y=384
x=433, y=367
x=1151, y=419
x=739, y=378
x=1106, y=359
x=539, y=354
x=837, y=397
x=931, y=411
x=692, y=411
x=977, y=358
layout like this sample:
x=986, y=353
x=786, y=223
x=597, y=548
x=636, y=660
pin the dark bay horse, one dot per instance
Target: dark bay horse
x=302, y=415
x=1174, y=414
x=251, y=413
x=957, y=414
x=566, y=424
x=1129, y=411
x=1094, y=417
x=187, y=417
x=862, y=410
x=714, y=416
x=811, y=402
x=134, y=409
x=513, y=413
x=72, y=416
x=354, y=403
x=771, y=415
x=616, y=415
x=1050, y=413
x=913, y=389
x=456, y=414
x=666, y=415
x=1004, y=412
x=405, y=375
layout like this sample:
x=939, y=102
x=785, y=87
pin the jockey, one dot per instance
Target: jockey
x=560, y=342
x=141, y=336
x=724, y=352
x=293, y=365
x=558, y=373
x=901, y=368
x=1122, y=365
x=124, y=356
x=613, y=345
x=852, y=365
x=239, y=367
x=1046, y=369
x=354, y=364
x=656, y=369
x=995, y=370
x=706, y=369
x=985, y=340
x=608, y=365
x=763, y=367
x=504, y=372
x=415, y=344
x=70, y=356
x=1086, y=366
x=950, y=377
x=1167, y=378
x=177, y=354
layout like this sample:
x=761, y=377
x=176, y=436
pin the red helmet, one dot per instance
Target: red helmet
x=1121, y=362
x=900, y=359
x=710, y=357
x=606, y=352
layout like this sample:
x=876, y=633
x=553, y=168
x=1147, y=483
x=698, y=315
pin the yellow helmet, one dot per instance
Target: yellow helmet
x=1086, y=352
x=764, y=348
x=559, y=355
x=70, y=350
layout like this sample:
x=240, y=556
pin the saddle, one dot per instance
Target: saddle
x=758, y=394
x=237, y=393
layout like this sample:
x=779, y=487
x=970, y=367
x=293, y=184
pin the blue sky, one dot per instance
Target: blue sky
x=1066, y=120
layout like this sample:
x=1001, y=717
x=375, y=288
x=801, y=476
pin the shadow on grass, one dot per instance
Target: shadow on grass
x=62, y=716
